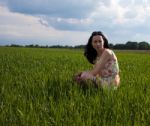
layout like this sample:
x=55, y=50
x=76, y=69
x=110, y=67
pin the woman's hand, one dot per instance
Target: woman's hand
x=83, y=76
x=77, y=77
x=86, y=75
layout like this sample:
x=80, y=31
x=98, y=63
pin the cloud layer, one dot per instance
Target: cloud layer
x=59, y=21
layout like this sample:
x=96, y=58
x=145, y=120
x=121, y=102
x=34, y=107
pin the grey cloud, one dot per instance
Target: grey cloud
x=43, y=22
x=64, y=25
x=125, y=3
x=55, y=8
x=51, y=10
x=105, y=2
x=130, y=14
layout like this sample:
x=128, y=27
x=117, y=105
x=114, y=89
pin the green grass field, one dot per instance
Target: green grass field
x=37, y=89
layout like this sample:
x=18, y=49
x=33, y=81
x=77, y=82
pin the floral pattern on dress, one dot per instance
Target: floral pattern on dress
x=111, y=67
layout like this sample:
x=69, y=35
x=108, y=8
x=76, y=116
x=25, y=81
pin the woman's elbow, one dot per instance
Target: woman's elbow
x=95, y=73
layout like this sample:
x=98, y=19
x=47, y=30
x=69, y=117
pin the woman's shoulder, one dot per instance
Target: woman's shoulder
x=108, y=52
x=106, y=55
x=111, y=53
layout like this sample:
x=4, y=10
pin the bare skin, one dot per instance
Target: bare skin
x=104, y=55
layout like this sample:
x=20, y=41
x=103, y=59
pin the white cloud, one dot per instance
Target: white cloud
x=29, y=29
x=54, y=8
x=73, y=21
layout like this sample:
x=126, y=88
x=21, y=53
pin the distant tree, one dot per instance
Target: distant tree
x=131, y=45
x=79, y=46
x=31, y=45
x=36, y=46
x=15, y=45
x=119, y=46
x=128, y=45
x=111, y=45
x=56, y=46
x=144, y=46
x=66, y=46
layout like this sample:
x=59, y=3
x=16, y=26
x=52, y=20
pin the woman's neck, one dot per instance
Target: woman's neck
x=99, y=53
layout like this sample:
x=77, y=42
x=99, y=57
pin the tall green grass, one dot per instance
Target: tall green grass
x=37, y=89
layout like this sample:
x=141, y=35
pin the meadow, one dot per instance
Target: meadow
x=37, y=89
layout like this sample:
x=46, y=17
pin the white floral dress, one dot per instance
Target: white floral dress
x=109, y=72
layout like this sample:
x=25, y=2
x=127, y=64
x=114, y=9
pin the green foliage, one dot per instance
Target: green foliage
x=129, y=45
x=37, y=89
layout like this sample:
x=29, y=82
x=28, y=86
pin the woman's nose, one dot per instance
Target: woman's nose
x=98, y=43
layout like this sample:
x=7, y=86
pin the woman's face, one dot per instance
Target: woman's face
x=98, y=42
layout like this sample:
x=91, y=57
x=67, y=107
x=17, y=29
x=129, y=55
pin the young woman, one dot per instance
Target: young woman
x=106, y=70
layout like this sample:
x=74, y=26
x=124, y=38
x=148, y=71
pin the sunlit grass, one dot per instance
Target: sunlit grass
x=36, y=88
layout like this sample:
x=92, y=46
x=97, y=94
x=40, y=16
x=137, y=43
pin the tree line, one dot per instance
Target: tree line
x=127, y=46
x=132, y=45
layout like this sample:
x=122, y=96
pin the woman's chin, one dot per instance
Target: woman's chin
x=99, y=49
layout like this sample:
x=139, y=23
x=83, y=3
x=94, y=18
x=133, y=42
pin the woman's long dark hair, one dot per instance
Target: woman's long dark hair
x=90, y=53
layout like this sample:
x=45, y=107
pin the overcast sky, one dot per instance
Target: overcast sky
x=70, y=22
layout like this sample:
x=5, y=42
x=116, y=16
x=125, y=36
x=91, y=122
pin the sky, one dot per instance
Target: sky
x=71, y=22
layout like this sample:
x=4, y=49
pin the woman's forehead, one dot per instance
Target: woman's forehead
x=97, y=37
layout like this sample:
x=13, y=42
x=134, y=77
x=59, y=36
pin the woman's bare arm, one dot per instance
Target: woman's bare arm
x=101, y=63
x=97, y=68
